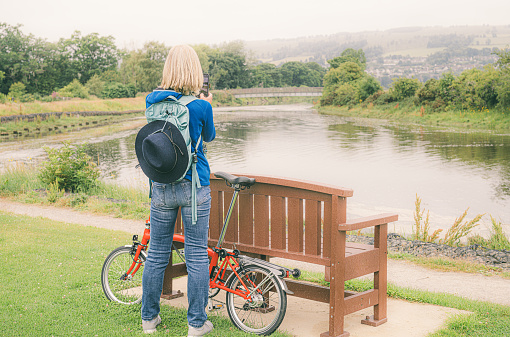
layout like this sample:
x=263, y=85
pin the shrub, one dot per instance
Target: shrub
x=17, y=90
x=74, y=89
x=345, y=94
x=95, y=86
x=497, y=240
x=70, y=168
x=404, y=87
x=429, y=92
x=367, y=87
x=118, y=90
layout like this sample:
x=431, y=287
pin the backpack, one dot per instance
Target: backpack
x=175, y=111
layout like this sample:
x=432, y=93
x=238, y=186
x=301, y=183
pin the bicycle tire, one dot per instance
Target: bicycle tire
x=116, y=286
x=261, y=316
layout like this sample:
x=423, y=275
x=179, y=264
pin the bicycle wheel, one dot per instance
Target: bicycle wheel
x=117, y=286
x=264, y=313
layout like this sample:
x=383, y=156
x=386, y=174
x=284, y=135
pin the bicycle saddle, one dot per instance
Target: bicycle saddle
x=234, y=180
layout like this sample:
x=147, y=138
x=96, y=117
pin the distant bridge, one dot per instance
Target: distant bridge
x=276, y=92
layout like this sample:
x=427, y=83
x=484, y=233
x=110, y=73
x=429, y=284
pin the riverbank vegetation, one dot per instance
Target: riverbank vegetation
x=476, y=97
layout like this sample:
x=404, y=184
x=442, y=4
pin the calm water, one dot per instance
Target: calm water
x=385, y=165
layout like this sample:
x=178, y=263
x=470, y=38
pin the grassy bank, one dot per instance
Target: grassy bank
x=51, y=284
x=408, y=113
x=20, y=182
x=119, y=104
x=136, y=103
x=64, y=123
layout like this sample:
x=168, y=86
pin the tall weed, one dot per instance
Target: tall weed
x=460, y=230
x=421, y=233
x=497, y=240
x=453, y=235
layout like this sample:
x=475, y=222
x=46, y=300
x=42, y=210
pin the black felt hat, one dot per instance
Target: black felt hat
x=162, y=152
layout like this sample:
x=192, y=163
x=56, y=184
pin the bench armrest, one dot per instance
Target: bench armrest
x=370, y=221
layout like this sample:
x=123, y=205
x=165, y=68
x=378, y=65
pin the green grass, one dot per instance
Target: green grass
x=408, y=113
x=450, y=265
x=20, y=183
x=119, y=104
x=488, y=319
x=50, y=274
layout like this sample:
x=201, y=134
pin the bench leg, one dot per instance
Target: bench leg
x=168, y=292
x=380, y=278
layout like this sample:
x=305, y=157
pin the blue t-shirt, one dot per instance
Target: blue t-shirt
x=200, y=122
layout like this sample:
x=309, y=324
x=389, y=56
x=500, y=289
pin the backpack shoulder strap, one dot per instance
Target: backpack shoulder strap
x=187, y=99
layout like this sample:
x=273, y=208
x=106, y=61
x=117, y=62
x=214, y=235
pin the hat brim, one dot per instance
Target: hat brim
x=181, y=166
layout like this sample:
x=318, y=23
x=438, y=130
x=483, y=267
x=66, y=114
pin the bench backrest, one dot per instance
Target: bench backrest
x=279, y=217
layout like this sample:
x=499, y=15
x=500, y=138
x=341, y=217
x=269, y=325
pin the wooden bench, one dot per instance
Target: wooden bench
x=306, y=222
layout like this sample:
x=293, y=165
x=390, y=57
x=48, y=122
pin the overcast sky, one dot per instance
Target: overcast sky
x=211, y=22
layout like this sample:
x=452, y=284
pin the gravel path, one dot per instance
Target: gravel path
x=475, y=286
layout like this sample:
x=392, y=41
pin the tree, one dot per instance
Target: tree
x=368, y=86
x=22, y=57
x=294, y=74
x=203, y=52
x=228, y=70
x=266, y=75
x=89, y=55
x=504, y=58
x=349, y=55
x=344, y=73
x=144, y=68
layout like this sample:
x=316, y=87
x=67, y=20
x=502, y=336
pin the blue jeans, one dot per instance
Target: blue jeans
x=166, y=200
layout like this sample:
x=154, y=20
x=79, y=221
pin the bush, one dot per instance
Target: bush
x=367, y=87
x=74, y=89
x=118, y=90
x=223, y=97
x=429, y=92
x=345, y=94
x=403, y=88
x=380, y=98
x=28, y=98
x=95, y=86
x=17, y=90
x=70, y=168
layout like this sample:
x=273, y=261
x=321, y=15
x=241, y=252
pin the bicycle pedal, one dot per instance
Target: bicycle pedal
x=217, y=306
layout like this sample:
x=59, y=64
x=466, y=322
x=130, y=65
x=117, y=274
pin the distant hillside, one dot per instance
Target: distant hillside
x=409, y=41
x=421, y=52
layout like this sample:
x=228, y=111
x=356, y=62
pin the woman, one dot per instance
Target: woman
x=182, y=75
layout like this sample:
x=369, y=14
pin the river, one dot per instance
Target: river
x=386, y=164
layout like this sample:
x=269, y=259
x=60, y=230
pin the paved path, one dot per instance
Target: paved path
x=405, y=319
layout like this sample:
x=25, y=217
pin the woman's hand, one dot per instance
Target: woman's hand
x=206, y=98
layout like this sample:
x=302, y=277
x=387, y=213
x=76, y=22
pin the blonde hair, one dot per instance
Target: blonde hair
x=182, y=71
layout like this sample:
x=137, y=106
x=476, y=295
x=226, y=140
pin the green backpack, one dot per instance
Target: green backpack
x=175, y=111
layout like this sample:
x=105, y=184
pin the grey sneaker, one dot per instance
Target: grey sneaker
x=204, y=330
x=150, y=326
